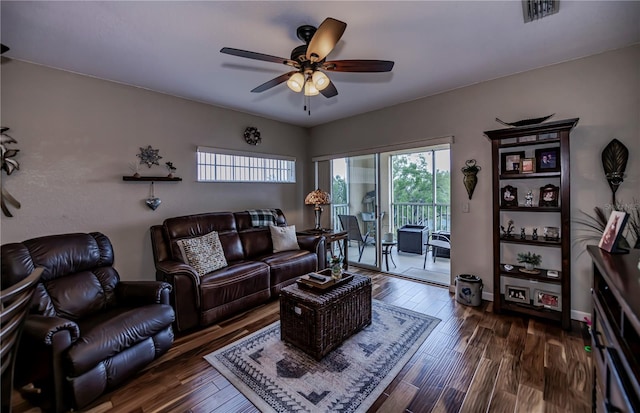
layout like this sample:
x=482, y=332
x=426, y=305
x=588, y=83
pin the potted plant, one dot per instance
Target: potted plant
x=336, y=266
x=529, y=259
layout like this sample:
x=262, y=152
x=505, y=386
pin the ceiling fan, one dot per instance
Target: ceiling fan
x=309, y=61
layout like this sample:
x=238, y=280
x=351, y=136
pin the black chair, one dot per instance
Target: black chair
x=350, y=224
x=438, y=242
x=14, y=309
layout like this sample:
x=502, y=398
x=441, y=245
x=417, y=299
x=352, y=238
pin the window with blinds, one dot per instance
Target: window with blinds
x=221, y=165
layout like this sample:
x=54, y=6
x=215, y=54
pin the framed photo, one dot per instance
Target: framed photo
x=527, y=165
x=516, y=294
x=548, y=160
x=547, y=299
x=613, y=232
x=549, y=196
x=530, y=138
x=511, y=162
x=509, y=196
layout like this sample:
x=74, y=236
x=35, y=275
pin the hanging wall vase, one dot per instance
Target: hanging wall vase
x=470, y=179
x=614, y=163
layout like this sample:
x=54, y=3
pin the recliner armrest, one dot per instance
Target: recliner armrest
x=42, y=328
x=315, y=244
x=143, y=292
x=166, y=270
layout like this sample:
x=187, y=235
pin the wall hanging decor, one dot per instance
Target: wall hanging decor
x=8, y=165
x=614, y=163
x=470, y=171
x=149, y=156
x=252, y=136
x=153, y=202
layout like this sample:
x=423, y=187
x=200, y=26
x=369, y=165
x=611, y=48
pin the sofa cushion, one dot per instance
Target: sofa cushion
x=203, y=253
x=232, y=283
x=111, y=332
x=284, y=238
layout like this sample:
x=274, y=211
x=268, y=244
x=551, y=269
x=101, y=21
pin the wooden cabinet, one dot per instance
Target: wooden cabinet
x=530, y=181
x=615, y=331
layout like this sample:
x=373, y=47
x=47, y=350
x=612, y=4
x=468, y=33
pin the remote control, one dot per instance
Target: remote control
x=317, y=277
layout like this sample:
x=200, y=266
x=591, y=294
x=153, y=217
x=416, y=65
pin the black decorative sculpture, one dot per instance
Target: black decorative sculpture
x=470, y=179
x=614, y=163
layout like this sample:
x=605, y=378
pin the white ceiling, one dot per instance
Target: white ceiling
x=173, y=47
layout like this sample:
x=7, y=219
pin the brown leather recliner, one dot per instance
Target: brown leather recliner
x=87, y=331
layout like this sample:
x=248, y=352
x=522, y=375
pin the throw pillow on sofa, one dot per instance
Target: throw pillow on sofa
x=284, y=238
x=204, y=254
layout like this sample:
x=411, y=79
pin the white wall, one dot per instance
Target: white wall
x=602, y=90
x=77, y=136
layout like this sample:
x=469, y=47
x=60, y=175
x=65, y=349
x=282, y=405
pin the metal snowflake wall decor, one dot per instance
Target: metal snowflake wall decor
x=149, y=156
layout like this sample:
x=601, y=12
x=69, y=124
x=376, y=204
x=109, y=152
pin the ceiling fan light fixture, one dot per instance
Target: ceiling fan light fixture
x=320, y=80
x=309, y=88
x=295, y=82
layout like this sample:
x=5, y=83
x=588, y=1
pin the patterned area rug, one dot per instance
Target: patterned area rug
x=277, y=377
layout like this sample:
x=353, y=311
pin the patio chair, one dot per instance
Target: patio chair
x=438, y=241
x=350, y=224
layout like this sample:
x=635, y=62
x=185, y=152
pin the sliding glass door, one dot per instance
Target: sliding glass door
x=356, y=207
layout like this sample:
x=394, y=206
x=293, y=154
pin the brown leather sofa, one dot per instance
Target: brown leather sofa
x=87, y=331
x=254, y=273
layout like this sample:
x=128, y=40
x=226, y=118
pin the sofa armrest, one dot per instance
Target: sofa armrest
x=315, y=244
x=185, y=292
x=42, y=329
x=143, y=292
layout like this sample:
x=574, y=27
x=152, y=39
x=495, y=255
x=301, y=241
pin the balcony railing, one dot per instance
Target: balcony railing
x=436, y=216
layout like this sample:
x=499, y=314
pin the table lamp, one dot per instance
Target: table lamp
x=317, y=198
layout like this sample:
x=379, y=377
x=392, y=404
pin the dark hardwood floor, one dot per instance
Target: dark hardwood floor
x=474, y=361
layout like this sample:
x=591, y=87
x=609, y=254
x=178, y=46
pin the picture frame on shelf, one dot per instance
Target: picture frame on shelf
x=527, y=165
x=549, y=196
x=530, y=138
x=548, y=160
x=516, y=294
x=551, y=233
x=509, y=196
x=511, y=162
x=612, y=234
x=547, y=299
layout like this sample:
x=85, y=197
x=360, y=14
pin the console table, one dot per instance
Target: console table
x=615, y=331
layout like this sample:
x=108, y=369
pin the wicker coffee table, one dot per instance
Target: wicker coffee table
x=316, y=322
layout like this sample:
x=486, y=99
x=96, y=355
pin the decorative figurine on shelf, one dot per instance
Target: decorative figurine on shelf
x=507, y=233
x=534, y=236
x=522, y=234
x=135, y=169
x=170, y=168
x=528, y=199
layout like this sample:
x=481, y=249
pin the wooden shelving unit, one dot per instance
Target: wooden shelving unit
x=553, y=135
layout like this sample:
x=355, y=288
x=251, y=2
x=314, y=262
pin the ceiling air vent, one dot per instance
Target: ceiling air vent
x=537, y=9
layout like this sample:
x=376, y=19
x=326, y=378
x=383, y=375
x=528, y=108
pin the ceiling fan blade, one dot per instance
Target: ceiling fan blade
x=329, y=91
x=273, y=82
x=259, y=56
x=325, y=39
x=3, y=48
x=358, y=65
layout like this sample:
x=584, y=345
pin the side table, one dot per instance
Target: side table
x=330, y=238
x=387, y=247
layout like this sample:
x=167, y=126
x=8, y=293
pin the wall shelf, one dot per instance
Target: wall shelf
x=151, y=179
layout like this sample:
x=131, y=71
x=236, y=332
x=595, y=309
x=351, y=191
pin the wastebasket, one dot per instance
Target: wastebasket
x=468, y=290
